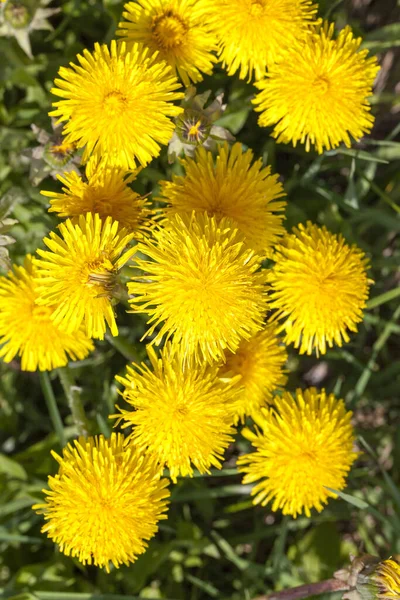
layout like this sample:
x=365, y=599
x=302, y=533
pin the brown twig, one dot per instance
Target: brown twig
x=305, y=591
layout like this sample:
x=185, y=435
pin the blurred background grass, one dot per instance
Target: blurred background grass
x=214, y=544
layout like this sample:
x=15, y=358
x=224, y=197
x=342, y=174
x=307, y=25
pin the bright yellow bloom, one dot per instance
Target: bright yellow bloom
x=202, y=284
x=177, y=29
x=231, y=186
x=384, y=582
x=26, y=329
x=319, y=286
x=105, y=192
x=105, y=501
x=117, y=104
x=253, y=34
x=303, y=446
x=317, y=94
x=79, y=273
x=182, y=416
x=260, y=362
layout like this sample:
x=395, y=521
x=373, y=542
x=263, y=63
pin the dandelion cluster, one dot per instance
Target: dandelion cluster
x=226, y=291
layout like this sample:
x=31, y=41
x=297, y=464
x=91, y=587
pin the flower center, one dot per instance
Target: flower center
x=114, y=104
x=257, y=7
x=169, y=30
x=102, y=205
x=321, y=85
x=181, y=410
x=41, y=313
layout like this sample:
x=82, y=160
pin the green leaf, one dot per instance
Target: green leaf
x=10, y=467
x=383, y=298
x=350, y=499
x=360, y=154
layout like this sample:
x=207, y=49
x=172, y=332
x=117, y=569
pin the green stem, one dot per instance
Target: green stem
x=123, y=346
x=52, y=407
x=376, y=348
x=73, y=395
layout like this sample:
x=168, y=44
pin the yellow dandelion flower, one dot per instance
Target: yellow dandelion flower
x=202, y=284
x=26, y=329
x=78, y=273
x=177, y=29
x=317, y=94
x=319, y=286
x=231, y=186
x=259, y=361
x=105, y=192
x=105, y=501
x=117, y=104
x=181, y=417
x=303, y=446
x=382, y=582
x=253, y=34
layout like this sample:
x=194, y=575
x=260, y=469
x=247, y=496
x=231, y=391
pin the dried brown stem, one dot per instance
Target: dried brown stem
x=308, y=590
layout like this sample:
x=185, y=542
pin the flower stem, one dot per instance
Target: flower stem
x=308, y=590
x=72, y=393
x=52, y=407
x=123, y=346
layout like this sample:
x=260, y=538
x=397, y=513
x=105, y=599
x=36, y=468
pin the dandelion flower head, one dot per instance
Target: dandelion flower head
x=26, y=328
x=302, y=447
x=105, y=501
x=233, y=186
x=78, y=274
x=319, y=286
x=202, y=285
x=259, y=361
x=117, y=104
x=385, y=580
x=182, y=417
x=106, y=191
x=177, y=30
x=317, y=94
x=253, y=34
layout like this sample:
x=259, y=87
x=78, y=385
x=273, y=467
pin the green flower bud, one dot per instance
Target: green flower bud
x=17, y=14
x=379, y=581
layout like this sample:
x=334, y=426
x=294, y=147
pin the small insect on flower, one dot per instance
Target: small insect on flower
x=117, y=104
x=26, y=328
x=202, y=284
x=182, y=417
x=317, y=93
x=105, y=502
x=303, y=446
x=78, y=274
x=177, y=29
x=319, y=287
